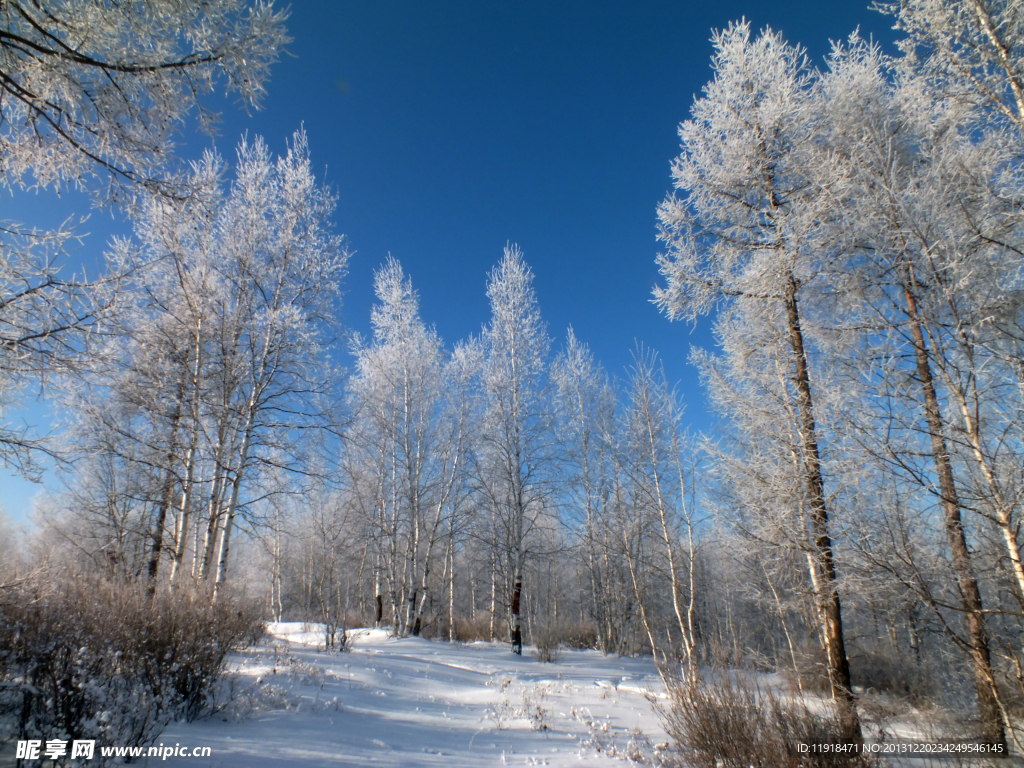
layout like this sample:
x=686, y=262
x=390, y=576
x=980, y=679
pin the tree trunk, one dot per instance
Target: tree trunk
x=185, y=511
x=984, y=683
x=157, y=540
x=190, y=461
x=494, y=592
x=213, y=524
x=451, y=590
x=517, y=629
x=831, y=608
x=243, y=460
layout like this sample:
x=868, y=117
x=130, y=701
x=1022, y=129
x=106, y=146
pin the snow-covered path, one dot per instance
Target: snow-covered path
x=413, y=702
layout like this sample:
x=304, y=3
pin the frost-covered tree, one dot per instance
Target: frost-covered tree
x=928, y=210
x=42, y=318
x=585, y=401
x=968, y=284
x=741, y=231
x=93, y=88
x=515, y=451
x=655, y=494
x=461, y=417
x=757, y=468
x=147, y=365
x=220, y=356
x=969, y=50
x=406, y=450
x=282, y=269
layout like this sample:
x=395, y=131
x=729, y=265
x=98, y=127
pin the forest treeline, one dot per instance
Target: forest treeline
x=854, y=231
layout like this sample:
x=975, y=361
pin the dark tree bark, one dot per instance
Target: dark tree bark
x=828, y=597
x=157, y=536
x=517, y=630
x=984, y=682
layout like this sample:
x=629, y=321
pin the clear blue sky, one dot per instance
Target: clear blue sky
x=450, y=128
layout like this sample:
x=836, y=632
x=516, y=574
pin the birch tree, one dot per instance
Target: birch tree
x=586, y=406
x=971, y=50
x=93, y=90
x=395, y=444
x=515, y=457
x=284, y=265
x=221, y=355
x=660, y=533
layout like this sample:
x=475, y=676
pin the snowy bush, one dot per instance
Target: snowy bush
x=91, y=659
x=547, y=642
x=732, y=723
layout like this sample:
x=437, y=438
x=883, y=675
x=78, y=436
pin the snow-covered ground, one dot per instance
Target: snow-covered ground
x=412, y=702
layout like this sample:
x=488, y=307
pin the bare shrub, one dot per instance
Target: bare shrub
x=99, y=660
x=472, y=630
x=733, y=723
x=335, y=632
x=895, y=675
x=430, y=626
x=189, y=639
x=580, y=634
x=805, y=670
x=357, y=620
x=547, y=641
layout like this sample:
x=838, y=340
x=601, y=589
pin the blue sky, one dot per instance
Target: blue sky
x=450, y=128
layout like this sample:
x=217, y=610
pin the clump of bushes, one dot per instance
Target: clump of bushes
x=472, y=630
x=549, y=639
x=547, y=642
x=895, y=675
x=733, y=723
x=86, y=658
x=580, y=634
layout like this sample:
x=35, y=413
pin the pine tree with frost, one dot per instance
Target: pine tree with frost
x=741, y=231
x=928, y=208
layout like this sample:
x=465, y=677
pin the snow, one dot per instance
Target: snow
x=413, y=702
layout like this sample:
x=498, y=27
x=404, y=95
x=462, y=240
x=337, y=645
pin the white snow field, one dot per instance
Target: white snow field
x=413, y=702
